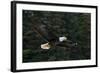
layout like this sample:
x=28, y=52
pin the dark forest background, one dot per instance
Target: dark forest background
x=75, y=26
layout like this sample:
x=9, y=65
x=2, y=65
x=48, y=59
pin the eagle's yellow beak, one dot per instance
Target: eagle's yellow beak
x=45, y=46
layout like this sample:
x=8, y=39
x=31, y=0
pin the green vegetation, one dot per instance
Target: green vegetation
x=75, y=26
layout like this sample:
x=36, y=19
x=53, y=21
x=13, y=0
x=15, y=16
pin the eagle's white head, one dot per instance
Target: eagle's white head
x=61, y=39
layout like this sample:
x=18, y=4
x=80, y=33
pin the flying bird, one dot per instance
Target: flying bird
x=49, y=37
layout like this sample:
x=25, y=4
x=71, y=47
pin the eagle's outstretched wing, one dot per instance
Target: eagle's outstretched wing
x=48, y=35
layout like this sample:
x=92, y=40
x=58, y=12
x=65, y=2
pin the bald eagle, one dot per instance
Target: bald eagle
x=49, y=37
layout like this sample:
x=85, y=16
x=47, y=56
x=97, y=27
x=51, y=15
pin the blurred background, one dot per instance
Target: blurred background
x=74, y=26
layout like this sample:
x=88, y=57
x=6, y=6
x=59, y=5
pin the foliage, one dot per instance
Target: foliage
x=75, y=26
